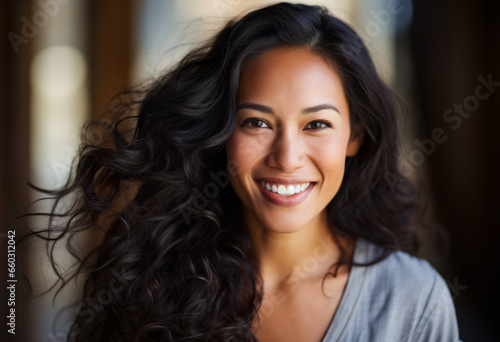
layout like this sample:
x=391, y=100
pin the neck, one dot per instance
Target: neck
x=285, y=258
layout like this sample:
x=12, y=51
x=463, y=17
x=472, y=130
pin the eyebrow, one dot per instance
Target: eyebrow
x=269, y=110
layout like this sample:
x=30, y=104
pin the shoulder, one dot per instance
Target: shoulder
x=403, y=272
x=406, y=297
x=399, y=271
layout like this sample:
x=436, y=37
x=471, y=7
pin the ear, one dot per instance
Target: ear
x=355, y=141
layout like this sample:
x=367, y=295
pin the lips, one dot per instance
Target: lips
x=285, y=192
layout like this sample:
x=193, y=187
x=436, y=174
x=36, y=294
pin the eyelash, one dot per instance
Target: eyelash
x=327, y=124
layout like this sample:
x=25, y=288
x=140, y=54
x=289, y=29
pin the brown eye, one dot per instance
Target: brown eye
x=255, y=123
x=318, y=125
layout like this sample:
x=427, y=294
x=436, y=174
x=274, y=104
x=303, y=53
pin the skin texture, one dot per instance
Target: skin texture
x=289, y=144
x=285, y=144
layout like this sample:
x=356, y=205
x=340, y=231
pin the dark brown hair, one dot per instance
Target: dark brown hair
x=174, y=246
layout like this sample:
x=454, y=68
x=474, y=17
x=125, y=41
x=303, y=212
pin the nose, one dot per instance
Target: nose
x=286, y=152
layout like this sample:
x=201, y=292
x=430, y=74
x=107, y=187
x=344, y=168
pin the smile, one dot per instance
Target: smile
x=285, y=190
x=285, y=195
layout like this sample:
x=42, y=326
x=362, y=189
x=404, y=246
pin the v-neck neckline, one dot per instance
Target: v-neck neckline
x=352, y=293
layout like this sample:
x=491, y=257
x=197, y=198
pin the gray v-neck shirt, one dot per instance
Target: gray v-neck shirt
x=402, y=298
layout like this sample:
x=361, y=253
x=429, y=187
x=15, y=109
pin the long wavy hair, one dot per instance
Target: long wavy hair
x=174, y=260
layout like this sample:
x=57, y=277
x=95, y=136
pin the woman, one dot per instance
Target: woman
x=258, y=198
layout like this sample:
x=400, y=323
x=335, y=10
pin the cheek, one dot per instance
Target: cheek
x=245, y=150
x=230, y=149
x=240, y=154
x=329, y=158
x=239, y=148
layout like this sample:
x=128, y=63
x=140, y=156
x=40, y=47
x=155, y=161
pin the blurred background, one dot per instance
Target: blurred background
x=62, y=61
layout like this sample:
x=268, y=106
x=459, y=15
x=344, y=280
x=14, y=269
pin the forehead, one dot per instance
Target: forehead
x=290, y=75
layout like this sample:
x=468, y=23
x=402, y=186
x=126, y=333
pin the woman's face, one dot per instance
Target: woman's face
x=291, y=139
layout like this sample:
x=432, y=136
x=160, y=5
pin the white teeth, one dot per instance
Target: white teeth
x=287, y=190
x=281, y=190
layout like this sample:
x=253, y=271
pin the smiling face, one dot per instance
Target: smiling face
x=291, y=139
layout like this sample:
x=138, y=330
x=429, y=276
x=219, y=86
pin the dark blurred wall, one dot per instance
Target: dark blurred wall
x=111, y=35
x=14, y=153
x=456, y=53
x=108, y=33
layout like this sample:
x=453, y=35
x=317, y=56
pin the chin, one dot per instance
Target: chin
x=283, y=226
